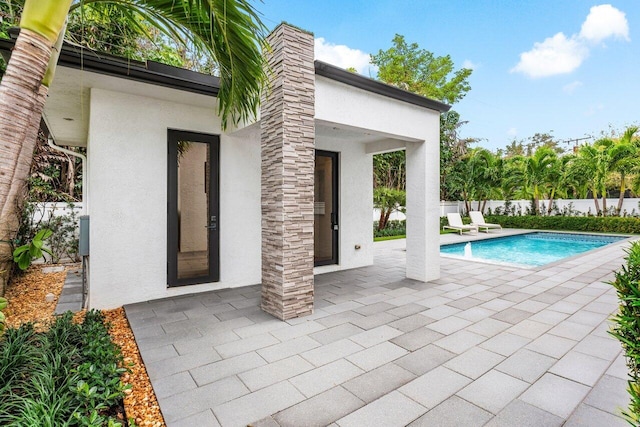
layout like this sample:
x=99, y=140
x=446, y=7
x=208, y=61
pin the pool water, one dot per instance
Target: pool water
x=532, y=249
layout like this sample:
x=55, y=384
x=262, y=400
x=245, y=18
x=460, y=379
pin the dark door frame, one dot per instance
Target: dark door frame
x=173, y=137
x=335, y=232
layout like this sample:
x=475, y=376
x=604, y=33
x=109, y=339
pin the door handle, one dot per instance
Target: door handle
x=334, y=221
x=213, y=223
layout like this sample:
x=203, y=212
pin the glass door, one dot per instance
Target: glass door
x=326, y=208
x=193, y=208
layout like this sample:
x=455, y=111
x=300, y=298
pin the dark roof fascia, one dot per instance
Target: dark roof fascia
x=356, y=80
x=151, y=72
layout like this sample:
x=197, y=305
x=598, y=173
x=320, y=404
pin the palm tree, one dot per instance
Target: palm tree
x=489, y=176
x=536, y=170
x=596, y=162
x=561, y=179
x=230, y=31
x=467, y=176
x=624, y=154
x=511, y=179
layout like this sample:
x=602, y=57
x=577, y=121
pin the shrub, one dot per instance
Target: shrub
x=569, y=223
x=63, y=242
x=393, y=228
x=69, y=375
x=627, y=325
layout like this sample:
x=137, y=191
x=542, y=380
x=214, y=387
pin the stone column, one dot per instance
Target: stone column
x=288, y=156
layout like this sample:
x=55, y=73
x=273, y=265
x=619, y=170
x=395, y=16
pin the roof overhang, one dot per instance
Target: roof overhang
x=81, y=69
x=356, y=80
x=78, y=57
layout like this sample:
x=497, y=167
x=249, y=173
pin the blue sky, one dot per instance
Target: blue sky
x=569, y=67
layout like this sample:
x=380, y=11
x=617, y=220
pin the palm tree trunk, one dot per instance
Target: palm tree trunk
x=18, y=96
x=622, y=190
x=386, y=217
x=604, y=204
x=551, y=197
x=467, y=204
x=10, y=218
x=381, y=223
x=21, y=101
x=595, y=200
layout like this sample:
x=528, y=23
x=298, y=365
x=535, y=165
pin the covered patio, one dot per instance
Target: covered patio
x=483, y=345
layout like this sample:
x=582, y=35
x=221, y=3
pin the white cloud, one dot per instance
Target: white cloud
x=555, y=55
x=512, y=132
x=342, y=56
x=571, y=87
x=562, y=55
x=605, y=21
x=470, y=65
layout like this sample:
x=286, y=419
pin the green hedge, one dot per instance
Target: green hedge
x=627, y=325
x=569, y=223
x=394, y=228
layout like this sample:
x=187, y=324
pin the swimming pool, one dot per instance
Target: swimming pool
x=532, y=249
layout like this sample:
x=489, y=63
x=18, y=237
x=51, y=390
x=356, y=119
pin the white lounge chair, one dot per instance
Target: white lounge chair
x=455, y=223
x=477, y=219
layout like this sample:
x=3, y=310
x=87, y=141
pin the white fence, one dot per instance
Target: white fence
x=570, y=206
x=45, y=210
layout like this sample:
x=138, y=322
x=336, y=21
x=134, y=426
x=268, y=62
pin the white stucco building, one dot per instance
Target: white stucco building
x=177, y=205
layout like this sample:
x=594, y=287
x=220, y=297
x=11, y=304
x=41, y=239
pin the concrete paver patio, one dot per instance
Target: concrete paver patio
x=484, y=345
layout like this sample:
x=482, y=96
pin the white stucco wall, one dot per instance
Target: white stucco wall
x=355, y=202
x=127, y=171
x=127, y=153
x=340, y=103
x=412, y=127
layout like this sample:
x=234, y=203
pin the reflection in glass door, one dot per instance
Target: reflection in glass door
x=193, y=235
x=326, y=208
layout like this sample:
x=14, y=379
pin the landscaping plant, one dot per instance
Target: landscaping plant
x=25, y=254
x=627, y=325
x=609, y=224
x=63, y=223
x=67, y=376
x=393, y=228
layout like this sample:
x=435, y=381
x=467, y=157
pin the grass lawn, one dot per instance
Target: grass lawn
x=383, y=238
x=403, y=236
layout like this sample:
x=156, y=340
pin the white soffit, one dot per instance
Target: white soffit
x=67, y=108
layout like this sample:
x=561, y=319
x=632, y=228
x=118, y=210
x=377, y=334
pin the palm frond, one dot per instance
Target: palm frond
x=230, y=31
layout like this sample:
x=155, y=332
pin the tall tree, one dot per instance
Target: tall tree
x=452, y=149
x=417, y=70
x=230, y=30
